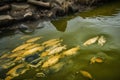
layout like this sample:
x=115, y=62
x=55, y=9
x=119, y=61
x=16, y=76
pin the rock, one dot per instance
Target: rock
x=28, y=14
x=5, y=17
x=4, y=7
x=25, y=29
x=40, y=3
x=20, y=6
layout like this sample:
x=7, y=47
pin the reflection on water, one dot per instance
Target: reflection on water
x=106, y=10
x=90, y=45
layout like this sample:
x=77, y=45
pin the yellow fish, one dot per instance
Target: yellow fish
x=49, y=50
x=9, y=78
x=86, y=74
x=92, y=60
x=57, y=50
x=32, y=46
x=53, y=47
x=49, y=41
x=99, y=60
x=43, y=54
x=24, y=37
x=101, y=41
x=5, y=55
x=51, y=61
x=33, y=39
x=53, y=43
x=71, y=51
x=53, y=50
x=90, y=41
x=23, y=46
x=15, y=54
x=12, y=72
x=32, y=51
x=57, y=67
x=96, y=59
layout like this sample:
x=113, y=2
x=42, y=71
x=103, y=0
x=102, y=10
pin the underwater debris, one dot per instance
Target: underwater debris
x=90, y=41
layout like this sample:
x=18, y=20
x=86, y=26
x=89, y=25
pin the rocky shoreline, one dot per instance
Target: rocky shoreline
x=16, y=11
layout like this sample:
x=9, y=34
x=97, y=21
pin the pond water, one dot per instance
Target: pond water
x=70, y=32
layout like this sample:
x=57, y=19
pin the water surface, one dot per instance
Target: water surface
x=74, y=31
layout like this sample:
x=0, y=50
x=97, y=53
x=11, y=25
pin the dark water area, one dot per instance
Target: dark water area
x=74, y=31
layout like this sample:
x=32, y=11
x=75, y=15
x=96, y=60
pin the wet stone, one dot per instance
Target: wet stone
x=25, y=29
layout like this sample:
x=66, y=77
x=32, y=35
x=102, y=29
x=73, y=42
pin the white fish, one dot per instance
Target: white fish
x=101, y=41
x=90, y=41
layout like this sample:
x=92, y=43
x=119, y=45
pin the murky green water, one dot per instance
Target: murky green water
x=74, y=31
